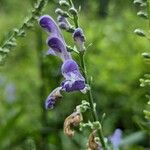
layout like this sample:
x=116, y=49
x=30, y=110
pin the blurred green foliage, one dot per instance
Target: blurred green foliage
x=114, y=62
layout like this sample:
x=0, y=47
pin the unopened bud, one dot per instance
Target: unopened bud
x=139, y=32
x=73, y=11
x=138, y=2
x=142, y=14
x=70, y=29
x=146, y=55
x=79, y=38
x=63, y=3
x=63, y=25
x=61, y=12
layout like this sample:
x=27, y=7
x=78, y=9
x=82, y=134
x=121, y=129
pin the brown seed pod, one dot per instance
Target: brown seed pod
x=73, y=120
x=92, y=143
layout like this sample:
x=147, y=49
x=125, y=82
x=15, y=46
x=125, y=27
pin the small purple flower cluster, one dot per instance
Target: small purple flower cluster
x=116, y=138
x=74, y=81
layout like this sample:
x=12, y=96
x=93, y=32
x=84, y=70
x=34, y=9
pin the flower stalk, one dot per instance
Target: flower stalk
x=148, y=10
x=91, y=100
x=89, y=92
x=75, y=16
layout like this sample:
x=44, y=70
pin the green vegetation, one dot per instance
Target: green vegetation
x=114, y=62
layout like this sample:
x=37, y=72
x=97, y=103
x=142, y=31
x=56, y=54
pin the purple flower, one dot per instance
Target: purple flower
x=53, y=97
x=78, y=35
x=74, y=81
x=58, y=48
x=49, y=25
x=73, y=85
x=55, y=40
x=79, y=38
x=115, y=139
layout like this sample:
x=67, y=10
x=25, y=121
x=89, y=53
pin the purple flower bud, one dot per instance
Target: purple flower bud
x=115, y=139
x=69, y=66
x=63, y=26
x=78, y=35
x=79, y=38
x=60, y=18
x=53, y=97
x=58, y=47
x=49, y=25
x=74, y=80
x=55, y=41
x=63, y=23
x=56, y=44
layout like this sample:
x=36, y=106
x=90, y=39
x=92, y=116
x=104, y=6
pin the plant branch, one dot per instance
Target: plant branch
x=89, y=92
x=10, y=42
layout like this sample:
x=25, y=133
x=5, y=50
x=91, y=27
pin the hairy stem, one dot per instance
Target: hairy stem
x=71, y=3
x=89, y=92
x=91, y=100
x=75, y=17
x=148, y=10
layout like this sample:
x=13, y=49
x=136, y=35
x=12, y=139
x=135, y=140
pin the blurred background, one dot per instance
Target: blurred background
x=114, y=62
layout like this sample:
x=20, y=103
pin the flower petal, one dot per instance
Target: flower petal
x=58, y=46
x=53, y=97
x=79, y=38
x=69, y=66
x=63, y=22
x=70, y=86
x=74, y=80
x=78, y=35
x=115, y=139
x=50, y=52
x=49, y=24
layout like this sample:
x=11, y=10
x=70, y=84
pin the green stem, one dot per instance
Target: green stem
x=148, y=10
x=71, y=3
x=89, y=92
x=75, y=17
x=91, y=100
